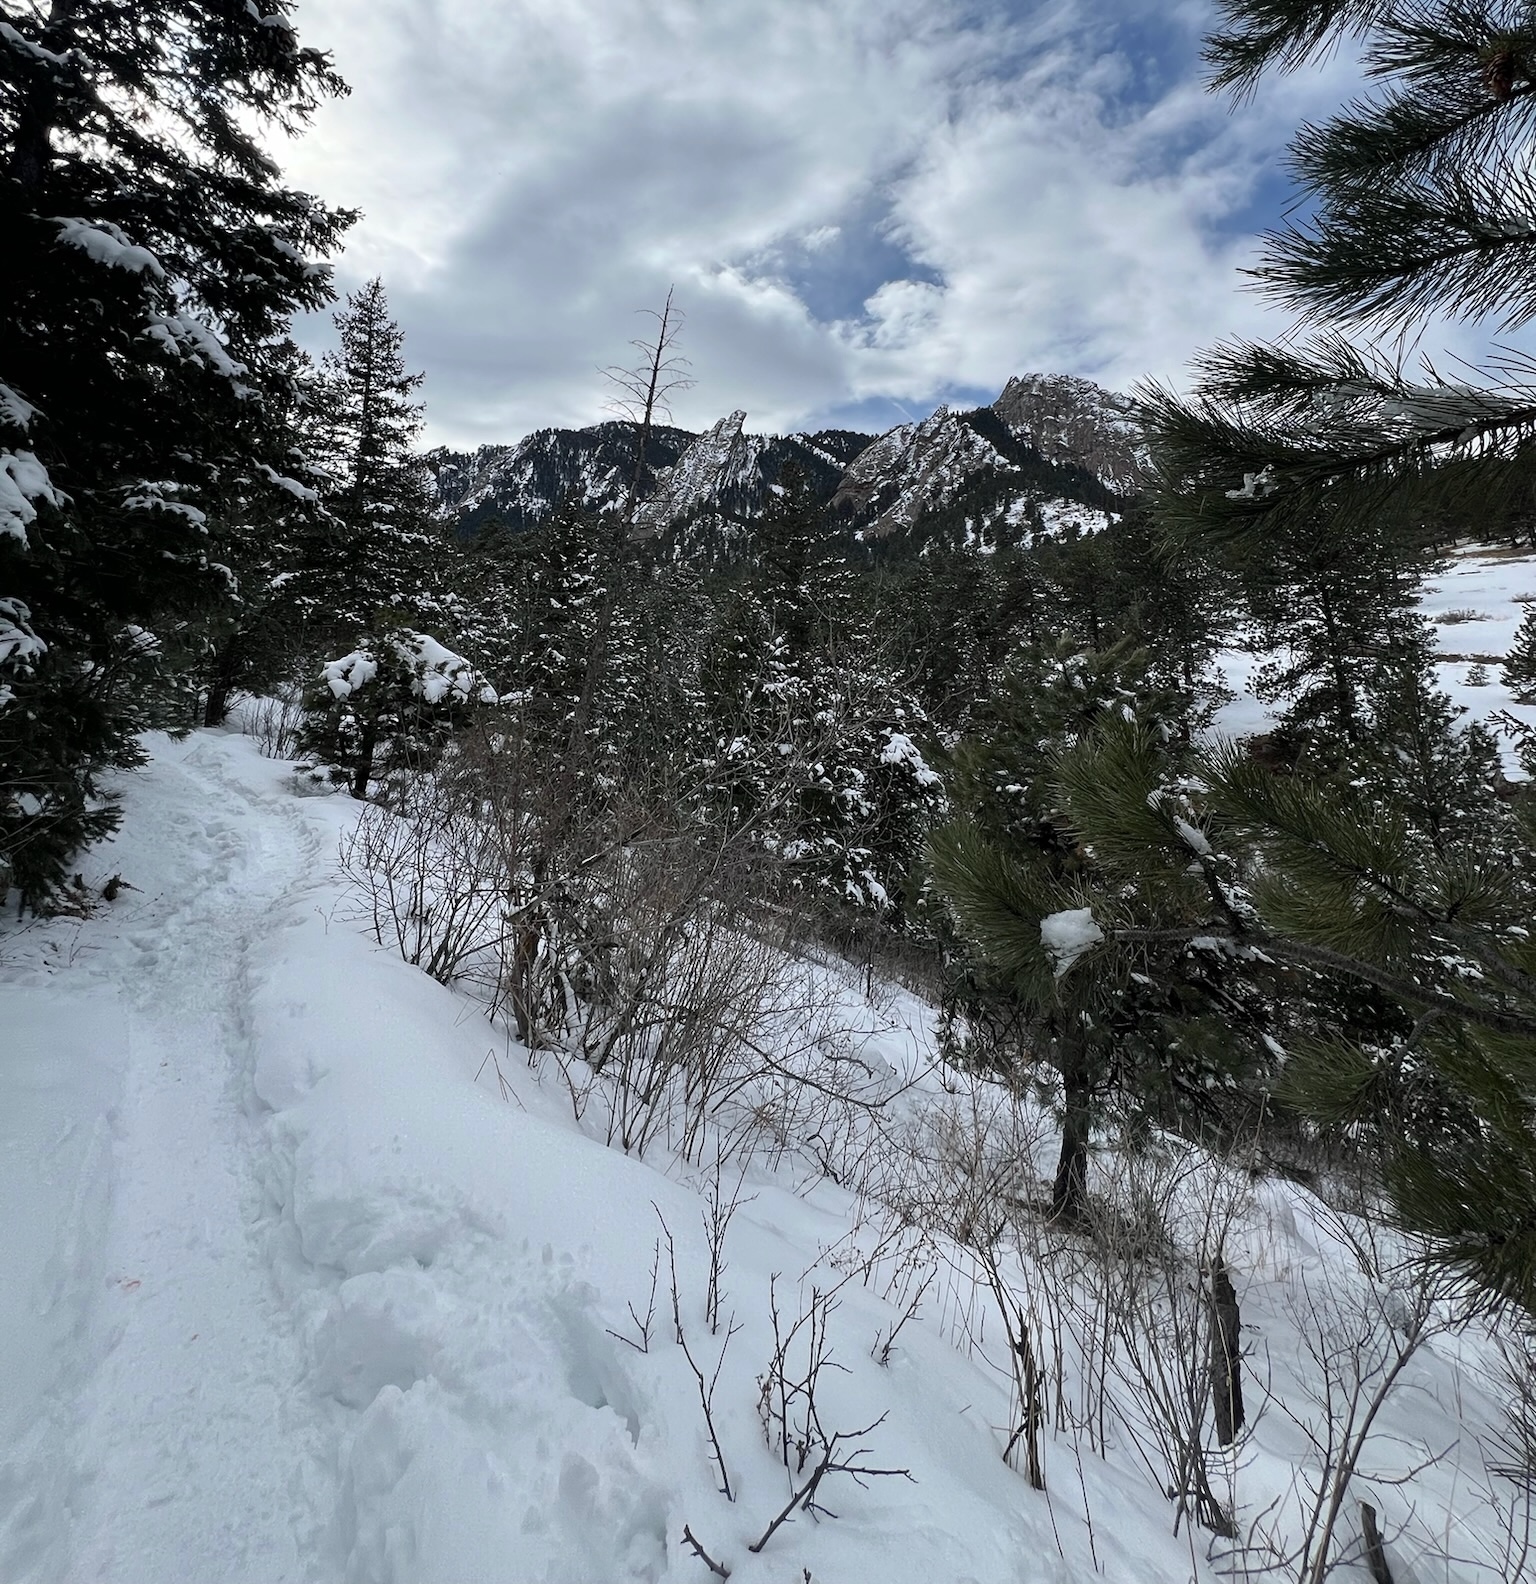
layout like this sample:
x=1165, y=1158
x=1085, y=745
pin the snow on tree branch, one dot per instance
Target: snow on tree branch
x=105, y=242
x=20, y=647
x=23, y=479
x=435, y=673
x=1067, y=935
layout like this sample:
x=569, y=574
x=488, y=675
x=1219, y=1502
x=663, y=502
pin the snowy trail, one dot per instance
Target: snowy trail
x=197, y=1355
x=298, y=1339
x=204, y=1362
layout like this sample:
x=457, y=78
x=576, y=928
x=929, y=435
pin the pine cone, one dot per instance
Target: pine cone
x=1502, y=68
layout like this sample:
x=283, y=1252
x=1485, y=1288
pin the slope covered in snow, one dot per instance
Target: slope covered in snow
x=317, y=1275
x=1475, y=600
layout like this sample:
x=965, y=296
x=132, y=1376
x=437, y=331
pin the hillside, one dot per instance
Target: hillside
x=317, y=1274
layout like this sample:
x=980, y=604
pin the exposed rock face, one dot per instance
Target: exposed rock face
x=1051, y=454
x=519, y=485
x=967, y=479
x=714, y=482
x=914, y=470
x=1067, y=419
x=719, y=460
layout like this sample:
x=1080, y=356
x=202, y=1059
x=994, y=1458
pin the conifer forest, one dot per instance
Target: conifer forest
x=664, y=1002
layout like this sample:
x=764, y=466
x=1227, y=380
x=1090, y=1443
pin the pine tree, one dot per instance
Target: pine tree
x=151, y=262
x=1417, y=204
x=817, y=737
x=1080, y=782
x=385, y=561
x=1323, y=608
x=1519, y=667
x=1402, y=873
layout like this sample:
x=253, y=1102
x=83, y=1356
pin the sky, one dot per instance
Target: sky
x=864, y=207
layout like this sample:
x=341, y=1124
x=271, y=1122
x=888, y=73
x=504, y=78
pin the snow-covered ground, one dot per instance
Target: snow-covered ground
x=1476, y=601
x=312, y=1275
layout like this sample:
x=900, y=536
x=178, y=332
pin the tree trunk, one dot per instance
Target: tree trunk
x=221, y=686
x=362, y=773
x=1069, y=1193
x=33, y=152
x=1226, y=1367
x=1338, y=664
x=1375, y=1551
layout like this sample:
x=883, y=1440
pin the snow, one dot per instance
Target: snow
x=1485, y=592
x=1255, y=486
x=1067, y=935
x=346, y=676
x=14, y=411
x=25, y=46
x=150, y=496
x=901, y=750
x=315, y=1274
x=435, y=672
x=299, y=491
x=19, y=645
x=106, y=244
x=1056, y=516
x=190, y=338
x=23, y=479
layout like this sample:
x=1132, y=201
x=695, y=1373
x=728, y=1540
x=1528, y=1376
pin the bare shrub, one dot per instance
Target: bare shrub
x=674, y=984
x=275, y=722
x=1159, y=1230
x=429, y=873
x=1510, y=1491
x=790, y=1408
x=1358, y=1338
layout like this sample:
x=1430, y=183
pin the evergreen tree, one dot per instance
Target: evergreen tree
x=386, y=555
x=1036, y=870
x=817, y=738
x=403, y=693
x=1417, y=205
x=1402, y=872
x=151, y=262
x=1520, y=663
x=1325, y=609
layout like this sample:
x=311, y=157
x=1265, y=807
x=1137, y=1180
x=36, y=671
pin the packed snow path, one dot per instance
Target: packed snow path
x=198, y=1354
x=220, y=1326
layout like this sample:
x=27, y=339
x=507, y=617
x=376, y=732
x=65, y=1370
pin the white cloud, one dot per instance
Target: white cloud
x=533, y=171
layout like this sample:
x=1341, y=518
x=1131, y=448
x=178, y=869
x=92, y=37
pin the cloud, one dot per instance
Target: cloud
x=860, y=202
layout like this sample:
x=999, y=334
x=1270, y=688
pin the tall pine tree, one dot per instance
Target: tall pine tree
x=152, y=260
x=1402, y=873
x=386, y=555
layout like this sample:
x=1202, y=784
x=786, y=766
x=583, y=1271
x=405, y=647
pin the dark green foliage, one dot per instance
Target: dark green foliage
x=385, y=553
x=1405, y=869
x=389, y=707
x=1328, y=610
x=151, y=262
x=1077, y=822
x=1421, y=196
x=816, y=738
x=1520, y=663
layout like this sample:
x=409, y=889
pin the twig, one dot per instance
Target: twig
x=805, y=1497
x=643, y=1327
x=706, y=1387
x=691, y=1540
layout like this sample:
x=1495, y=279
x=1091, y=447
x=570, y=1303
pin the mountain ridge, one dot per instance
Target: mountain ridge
x=1051, y=449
